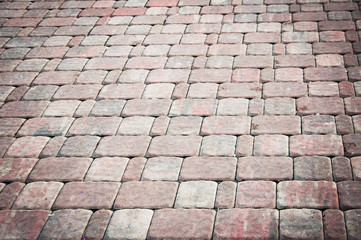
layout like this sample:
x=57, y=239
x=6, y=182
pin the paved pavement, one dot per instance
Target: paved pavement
x=192, y=119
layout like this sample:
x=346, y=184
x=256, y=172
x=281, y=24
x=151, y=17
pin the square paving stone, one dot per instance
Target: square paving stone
x=301, y=224
x=218, y=145
x=196, y=194
x=60, y=169
x=27, y=147
x=38, y=195
x=349, y=194
x=87, y=195
x=353, y=222
x=21, y=224
x=280, y=106
x=312, y=168
x=271, y=145
x=79, y=146
x=162, y=169
x=208, y=168
x=256, y=194
x=107, y=169
x=129, y=224
x=146, y=194
x=122, y=146
x=66, y=224
x=16, y=169
x=100, y=126
x=182, y=223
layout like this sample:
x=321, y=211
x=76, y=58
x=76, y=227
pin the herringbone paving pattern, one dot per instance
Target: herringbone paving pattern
x=180, y=119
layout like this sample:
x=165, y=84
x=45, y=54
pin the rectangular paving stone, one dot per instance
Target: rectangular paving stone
x=310, y=194
x=87, y=195
x=102, y=126
x=97, y=224
x=61, y=108
x=353, y=223
x=218, y=145
x=135, y=126
x=186, y=223
x=162, y=169
x=121, y=91
x=45, y=127
x=79, y=146
x=349, y=193
x=146, y=107
x=322, y=145
x=77, y=92
x=174, y=146
x=56, y=78
x=208, y=168
x=23, y=109
x=226, y=125
x=270, y=145
x=16, y=78
x=27, y=147
x=107, y=108
x=168, y=76
x=334, y=224
x=210, y=76
x=240, y=90
x=246, y=223
x=196, y=194
x=146, y=194
x=193, y=107
x=122, y=146
x=60, y=169
x=312, y=168
x=288, y=125
x=314, y=105
x=107, y=169
x=256, y=194
x=16, y=169
x=31, y=223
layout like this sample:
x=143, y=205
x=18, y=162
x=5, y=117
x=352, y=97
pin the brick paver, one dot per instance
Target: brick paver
x=180, y=119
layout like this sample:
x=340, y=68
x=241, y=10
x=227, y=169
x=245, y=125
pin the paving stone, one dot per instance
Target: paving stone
x=9, y=194
x=144, y=194
x=193, y=107
x=107, y=169
x=208, y=168
x=349, y=192
x=122, y=146
x=352, y=105
x=146, y=107
x=280, y=106
x=218, y=145
x=322, y=124
x=310, y=194
x=87, y=195
x=40, y=93
x=121, y=91
x=225, y=125
x=31, y=223
x=45, y=127
x=100, y=126
x=97, y=224
x=23, y=109
x=227, y=106
x=203, y=90
x=66, y=224
x=246, y=223
x=60, y=169
x=135, y=126
x=184, y=125
x=158, y=90
x=28, y=147
x=334, y=224
x=239, y=90
x=196, y=194
x=344, y=124
x=312, y=168
x=174, y=146
x=62, y=108
x=38, y=195
x=301, y=223
x=287, y=125
x=77, y=92
x=79, y=146
x=265, y=168
x=129, y=223
x=107, y=108
x=53, y=146
x=56, y=78
x=271, y=145
x=322, y=145
x=225, y=195
x=162, y=169
x=133, y=76
x=184, y=223
x=352, y=223
x=256, y=194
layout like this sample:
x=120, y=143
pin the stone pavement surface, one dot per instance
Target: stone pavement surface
x=192, y=119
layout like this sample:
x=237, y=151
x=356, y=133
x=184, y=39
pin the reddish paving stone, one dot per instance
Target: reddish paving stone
x=87, y=195
x=107, y=108
x=289, y=125
x=193, y=107
x=182, y=223
x=107, y=169
x=16, y=169
x=10, y=126
x=284, y=89
x=244, y=145
x=38, y=195
x=45, y=127
x=208, y=168
x=85, y=52
x=341, y=167
x=225, y=195
x=77, y=92
x=135, y=126
x=168, y=76
x=97, y=224
x=307, y=145
x=183, y=125
x=129, y=223
x=334, y=224
x=246, y=224
x=349, y=193
x=301, y=224
x=265, y=168
x=352, y=145
x=56, y=78
x=344, y=125
x=79, y=146
x=210, y=76
x=60, y=169
x=16, y=78
x=122, y=146
x=9, y=194
x=62, y=108
x=240, y=90
x=146, y=63
x=226, y=106
x=23, y=109
x=310, y=194
x=134, y=169
x=196, y=194
x=256, y=194
x=138, y=11
x=162, y=169
x=121, y=91
x=323, y=124
x=331, y=106
x=20, y=224
x=218, y=146
x=174, y=146
x=353, y=105
x=66, y=224
x=144, y=194
x=226, y=125
x=356, y=168
x=353, y=223
x=27, y=147
x=105, y=64
x=146, y=107
x=100, y=126
x=53, y=146
x=270, y=145
x=325, y=74
x=312, y=168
